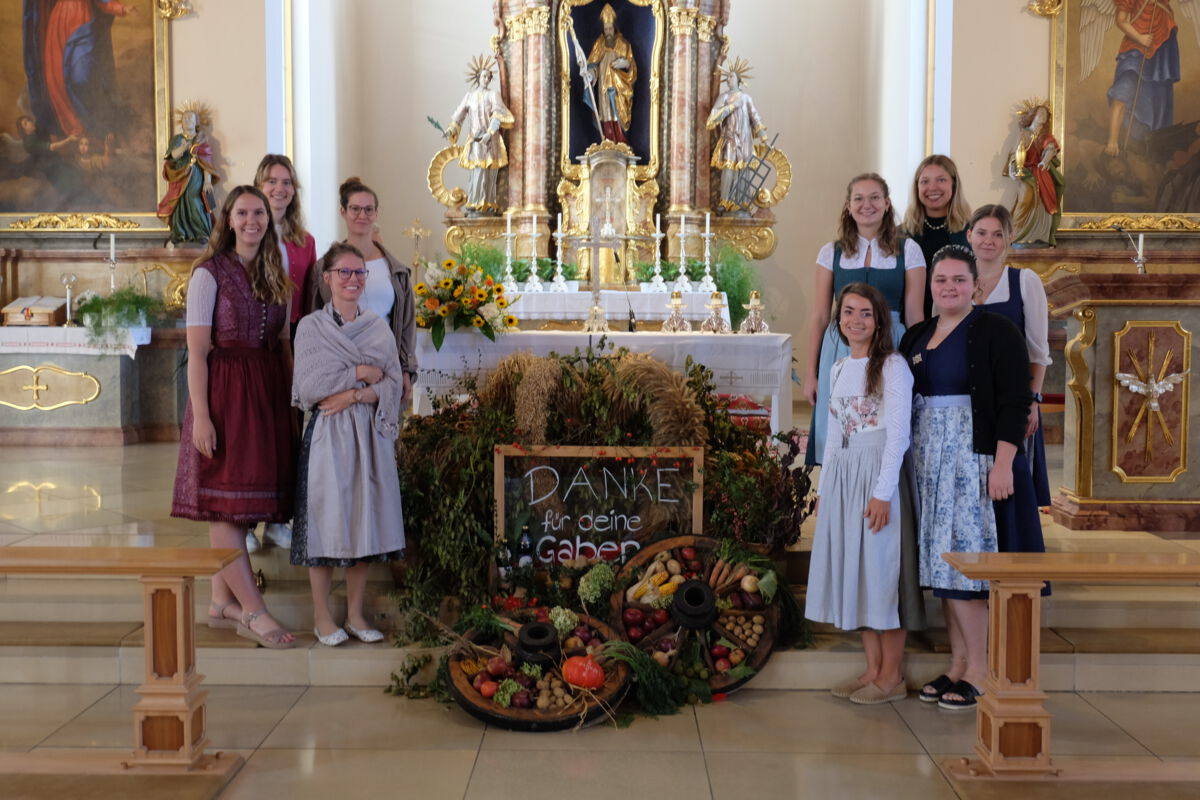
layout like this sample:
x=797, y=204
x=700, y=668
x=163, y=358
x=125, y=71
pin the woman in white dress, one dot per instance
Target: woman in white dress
x=854, y=576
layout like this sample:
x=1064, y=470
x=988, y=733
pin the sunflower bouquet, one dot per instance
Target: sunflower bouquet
x=461, y=296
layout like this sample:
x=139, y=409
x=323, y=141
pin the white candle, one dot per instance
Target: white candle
x=508, y=221
x=658, y=223
x=682, y=222
x=558, y=225
x=112, y=247
x=707, y=219
x=1141, y=242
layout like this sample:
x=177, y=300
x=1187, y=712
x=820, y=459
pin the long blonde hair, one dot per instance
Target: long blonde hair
x=268, y=280
x=914, y=216
x=293, y=220
x=889, y=234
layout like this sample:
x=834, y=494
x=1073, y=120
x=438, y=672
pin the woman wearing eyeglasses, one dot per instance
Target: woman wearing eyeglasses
x=388, y=290
x=348, y=511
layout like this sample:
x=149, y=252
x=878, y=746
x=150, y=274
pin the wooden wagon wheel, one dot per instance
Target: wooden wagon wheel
x=585, y=708
x=695, y=615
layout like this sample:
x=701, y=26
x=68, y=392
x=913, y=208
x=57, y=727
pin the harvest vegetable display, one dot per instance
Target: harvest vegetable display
x=701, y=609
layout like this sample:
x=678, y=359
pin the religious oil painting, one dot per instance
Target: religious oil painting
x=1127, y=112
x=83, y=113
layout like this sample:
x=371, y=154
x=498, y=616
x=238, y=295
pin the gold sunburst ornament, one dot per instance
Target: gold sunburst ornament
x=740, y=67
x=1151, y=388
x=202, y=111
x=479, y=64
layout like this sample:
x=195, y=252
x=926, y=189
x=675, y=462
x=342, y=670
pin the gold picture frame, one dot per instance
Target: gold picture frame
x=1140, y=188
x=113, y=181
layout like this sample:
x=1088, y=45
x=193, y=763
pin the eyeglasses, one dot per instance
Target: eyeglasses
x=348, y=273
x=356, y=210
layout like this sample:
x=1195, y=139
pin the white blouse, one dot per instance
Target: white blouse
x=1037, y=314
x=913, y=257
x=853, y=411
x=378, y=294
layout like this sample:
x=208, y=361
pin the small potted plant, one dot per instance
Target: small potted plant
x=104, y=316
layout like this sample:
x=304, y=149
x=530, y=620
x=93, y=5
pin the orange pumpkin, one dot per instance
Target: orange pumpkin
x=584, y=672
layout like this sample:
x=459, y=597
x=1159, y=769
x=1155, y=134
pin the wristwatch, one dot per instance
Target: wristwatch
x=1037, y=397
x=358, y=395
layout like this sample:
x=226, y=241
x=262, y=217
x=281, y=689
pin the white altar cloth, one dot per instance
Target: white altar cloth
x=756, y=365
x=647, y=306
x=70, y=341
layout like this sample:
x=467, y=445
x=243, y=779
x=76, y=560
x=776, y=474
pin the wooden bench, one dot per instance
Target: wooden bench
x=1012, y=725
x=169, y=720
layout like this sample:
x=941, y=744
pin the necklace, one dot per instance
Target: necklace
x=988, y=285
x=932, y=227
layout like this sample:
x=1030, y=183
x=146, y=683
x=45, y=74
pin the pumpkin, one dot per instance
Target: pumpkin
x=583, y=671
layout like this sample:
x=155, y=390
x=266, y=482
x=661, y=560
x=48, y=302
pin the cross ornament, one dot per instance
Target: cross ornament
x=1151, y=389
x=37, y=388
x=416, y=233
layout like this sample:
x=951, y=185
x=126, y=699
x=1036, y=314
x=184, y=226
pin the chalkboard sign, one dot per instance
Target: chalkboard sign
x=596, y=502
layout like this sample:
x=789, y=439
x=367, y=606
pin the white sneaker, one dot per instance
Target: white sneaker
x=278, y=534
x=252, y=545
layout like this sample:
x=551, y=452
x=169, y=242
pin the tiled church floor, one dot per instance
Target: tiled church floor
x=320, y=741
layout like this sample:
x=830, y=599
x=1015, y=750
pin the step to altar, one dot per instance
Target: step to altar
x=1073, y=659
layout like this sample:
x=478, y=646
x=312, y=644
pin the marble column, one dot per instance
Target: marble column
x=707, y=89
x=680, y=158
x=514, y=23
x=537, y=105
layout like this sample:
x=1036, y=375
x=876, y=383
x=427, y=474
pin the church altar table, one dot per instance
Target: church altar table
x=646, y=306
x=751, y=364
x=73, y=341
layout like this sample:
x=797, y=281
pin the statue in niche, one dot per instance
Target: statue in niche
x=612, y=71
x=1035, y=163
x=735, y=116
x=188, y=207
x=483, y=114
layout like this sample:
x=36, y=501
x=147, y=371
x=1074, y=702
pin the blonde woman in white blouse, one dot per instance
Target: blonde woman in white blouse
x=854, y=575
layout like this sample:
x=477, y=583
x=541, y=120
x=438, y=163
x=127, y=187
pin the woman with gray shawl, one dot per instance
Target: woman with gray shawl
x=348, y=492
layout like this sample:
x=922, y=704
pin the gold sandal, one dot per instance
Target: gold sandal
x=272, y=639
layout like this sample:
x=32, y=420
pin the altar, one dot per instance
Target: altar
x=758, y=365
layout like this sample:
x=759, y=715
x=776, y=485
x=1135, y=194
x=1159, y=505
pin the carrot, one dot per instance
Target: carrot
x=716, y=572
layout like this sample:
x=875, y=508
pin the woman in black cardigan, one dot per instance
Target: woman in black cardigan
x=971, y=381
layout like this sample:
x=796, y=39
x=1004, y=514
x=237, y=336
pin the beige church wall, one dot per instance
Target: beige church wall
x=1001, y=56
x=217, y=58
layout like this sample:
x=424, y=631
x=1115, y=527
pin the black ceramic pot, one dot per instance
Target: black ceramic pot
x=537, y=643
x=695, y=605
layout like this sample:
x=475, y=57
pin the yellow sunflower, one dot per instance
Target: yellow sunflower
x=421, y=289
x=422, y=322
x=443, y=311
x=477, y=321
x=458, y=290
x=498, y=289
x=510, y=321
x=449, y=264
x=445, y=283
x=501, y=302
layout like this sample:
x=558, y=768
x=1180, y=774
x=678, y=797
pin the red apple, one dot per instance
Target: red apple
x=660, y=616
x=635, y=634
x=695, y=566
x=633, y=616
x=719, y=651
x=687, y=553
x=723, y=665
x=488, y=689
x=497, y=667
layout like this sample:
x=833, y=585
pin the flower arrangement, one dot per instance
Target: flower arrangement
x=104, y=316
x=463, y=297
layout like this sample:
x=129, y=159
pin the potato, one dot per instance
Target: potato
x=758, y=619
x=543, y=702
x=674, y=567
x=758, y=629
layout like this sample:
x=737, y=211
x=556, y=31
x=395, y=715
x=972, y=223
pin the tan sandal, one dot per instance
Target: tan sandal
x=219, y=620
x=846, y=688
x=871, y=694
x=272, y=639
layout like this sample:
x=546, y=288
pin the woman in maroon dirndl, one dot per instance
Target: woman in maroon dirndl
x=235, y=450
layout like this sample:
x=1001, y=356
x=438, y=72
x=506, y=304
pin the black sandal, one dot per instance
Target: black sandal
x=966, y=691
x=940, y=685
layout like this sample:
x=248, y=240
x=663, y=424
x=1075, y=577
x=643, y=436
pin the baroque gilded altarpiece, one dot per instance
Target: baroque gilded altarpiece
x=679, y=46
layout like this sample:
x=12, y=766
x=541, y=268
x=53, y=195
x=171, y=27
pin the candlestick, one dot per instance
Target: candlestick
x=1141, y=244
x=559, y=284
x=682, y=284
x=112, y=247
x=533, y=283
x=510, y=280
x=656, y=282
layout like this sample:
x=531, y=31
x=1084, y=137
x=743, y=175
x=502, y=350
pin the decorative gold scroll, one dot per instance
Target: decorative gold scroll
x=436, y=180
x=22, y=388
x=74, y=222
x=1080, y=385
x=1145, y=222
